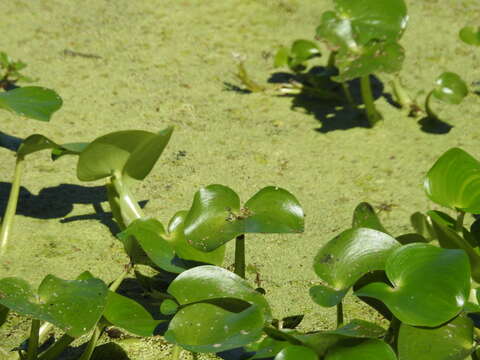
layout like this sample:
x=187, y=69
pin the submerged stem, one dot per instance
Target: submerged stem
x=340, y=314
x=372, y=114
x=12, y=205
x=240, y=256
x=32, y=350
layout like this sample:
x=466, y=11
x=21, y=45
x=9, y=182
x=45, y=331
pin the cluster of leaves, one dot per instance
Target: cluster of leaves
x=362, y=38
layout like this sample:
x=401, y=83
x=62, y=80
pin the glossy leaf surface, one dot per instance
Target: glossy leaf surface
x=204, y=327
x=365, y=216
x=32, y=102
x=346, y=258
x=216, y=217
x=470, y=35
x=368, y=350
x=295, y=352
x=454, y=181
x=68, y=149
x=186, y=251
x=72, y=305
x=450, y=88
x=129, y=315
x=430, y=285
x=301, y=51
x=150, y=235
x=451, y=341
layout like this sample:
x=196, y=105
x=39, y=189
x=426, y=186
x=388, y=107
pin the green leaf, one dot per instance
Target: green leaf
x=364, y=216
x=129, y=315
x=321, y=341
x=451, y=341
x=144, y=157
x=346, y=258
x=31, y=101
x=72, y=305
x=150, y=235
x=301, y=51
x=281, y=57
x=3, y=314
x=385, y=57
x=109, y=351
x=216, y=218
x=368, y=350
x=110, y=153
x=422, y=226
x=204, y=327
x=470, y=35
x=450, y=88
x=35, y=143
x=68, y=149
x=454, y=181
x=295, y=352
x=430, y=285
x=186, y=251
x=4, y=60
x=168, y=307
x=209, y=282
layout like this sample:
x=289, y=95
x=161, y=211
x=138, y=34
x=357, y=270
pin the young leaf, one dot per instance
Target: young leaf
x=364, y=216
x=451, y=341
x=301, y=51
x=454, y=181
x=450, y=88
x=281, y=57
x=73, y=305
x=368, y=350
x=31, y=101
x=346, y=258
x=186, y=251
x=127, y=314
x=295, y=352
x=470, y=35
x=430, y=284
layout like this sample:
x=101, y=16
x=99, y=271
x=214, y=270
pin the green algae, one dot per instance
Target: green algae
x=164, y=63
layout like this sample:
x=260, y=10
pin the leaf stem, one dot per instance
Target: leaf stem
x=348, y=95
x=331, y=59
x=240, y=256
x=372, y=114
x=114, y=285
x=32, y=350
x=129, y=208
x=340, y=318
x=400, y=94
x=278, y=334
x=92, y=343
x=430, y=113
x=459, y=222
x=54, y=351
x=12, y=205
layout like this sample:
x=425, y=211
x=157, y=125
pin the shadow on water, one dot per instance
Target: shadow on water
x=58, y=201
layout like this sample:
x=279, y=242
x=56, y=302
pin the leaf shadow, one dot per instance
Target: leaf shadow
x=434, y=126
x=58, y=201
x=332, y=114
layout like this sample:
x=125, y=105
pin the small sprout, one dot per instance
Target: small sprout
x=10, y=72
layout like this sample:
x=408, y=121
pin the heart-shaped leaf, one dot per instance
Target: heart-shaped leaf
x=454, y=181
x=209, y=282
x=450, y=88
x=364, y=216
x=150, y=235
x=385, y=57
x=32, y=102
x=68, y=149
x=346, y=258
x=186, y=251
x=301, y=51
x=204, y=327
x=356, y=23
x=430, y=285
x=215, y=216
x=470, y=35
x=295, y=352
x=368, y=350
x=127, y=314
x=451, y=341
x=72, y=305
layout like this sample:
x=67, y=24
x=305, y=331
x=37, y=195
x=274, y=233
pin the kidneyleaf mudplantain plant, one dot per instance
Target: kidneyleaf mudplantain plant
x=10, y=72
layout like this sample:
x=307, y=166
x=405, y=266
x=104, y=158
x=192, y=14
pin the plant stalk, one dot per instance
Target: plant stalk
x=372, y=114
x=459, y=222
x=240, y=256
x=331, y=59
x=348, y=95
x=12, y=205
x=340, y=318
x=430, y=113
x=400, y=94
x=129, y=208
x=92, y=343
x=54, y=351
x=32, y=350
